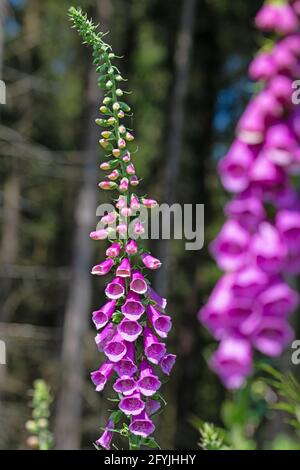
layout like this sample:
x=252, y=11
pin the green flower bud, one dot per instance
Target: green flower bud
x=119, y=92
x=111, y=55
x=106, y=100
x=106, y=134
x=116, y=106
x=102, y=122
x=103, y=109
x=31, y=426
x=109, y=84
x=111, y=121
x=119, y=78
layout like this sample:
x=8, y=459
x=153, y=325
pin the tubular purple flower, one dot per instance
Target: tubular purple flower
x=101, y=376
x=99, y=234
x=105, y=336
x=104, y=314
x=131, y=247
x=160, y=302
x=162, y=324
x=126, y=366
x=148, y=382
x=132, y=405
x=152, y=406
x=272, y=336
x=133, y=308
x=116, y=288
x=154, y=350
x=114, y=250
x=106, y=438
x=116, y=349
x=167, y=363
x=141, y=425
x=124, y=270
x=150, y=262
x=234, y=168
x=130, y=330
x=138, y=283
x=103, y=268
x=125, y=385
x=278, y=300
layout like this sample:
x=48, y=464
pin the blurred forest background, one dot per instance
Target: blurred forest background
x=186, y=61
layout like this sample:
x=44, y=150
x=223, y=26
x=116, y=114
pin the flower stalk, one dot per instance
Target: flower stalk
x=132, y=323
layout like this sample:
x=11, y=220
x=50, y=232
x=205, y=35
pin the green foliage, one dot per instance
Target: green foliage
x=287, y=388
x=212, y=438
x=41, y=437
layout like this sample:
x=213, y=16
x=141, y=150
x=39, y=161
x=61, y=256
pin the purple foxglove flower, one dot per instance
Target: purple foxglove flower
x=126, y=366
x=109, y=218
x=249, y=282
x=131, y=247
x=105, y=336
x=101, y=376
x=152, y=406
x=124, y=270
x=133, y=309
x=265, y=175
x=284, y=59
x=148, y=382
x=162, y=324
x=125, y=385
x=114, y=250
x=103, y=268
x=130, y=330
x=231, y=245
x=138, y=283
x=292, y=264
x=262, y=67
x=269, y=105
x=132, y=405
x=214, y=314
x=280, y=144
x=149, y=203
x=251, y=126
x=267, y=17
x=167, y=363
x=248, y=211
x=288, y=225
x=287, y=20
x=154, y=350
x=116, y=288
x=99, y=234
x=160, y=302
x=141, y=425
x=102, y=316
x=235, y=166
x=134, y=203
x=278, y=300
x=268, y=249
x=116, y=349
x=272, y=336
x=285, y=197
x=233, y=361
x=281, y=87
x=139, y=228
x=150, y=262
x=106, y=438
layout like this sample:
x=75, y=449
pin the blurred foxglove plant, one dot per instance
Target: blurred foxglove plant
x=40, y=437
x=132, y=323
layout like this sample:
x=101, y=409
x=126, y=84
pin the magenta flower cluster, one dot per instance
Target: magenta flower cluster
x=132, y=324
x=259, y=244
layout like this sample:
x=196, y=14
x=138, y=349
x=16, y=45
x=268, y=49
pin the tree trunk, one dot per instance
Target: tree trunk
x=69, y=406
x=176, y=128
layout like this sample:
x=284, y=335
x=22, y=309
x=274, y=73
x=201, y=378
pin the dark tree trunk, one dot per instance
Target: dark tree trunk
x=69, y=406
x=176, y=128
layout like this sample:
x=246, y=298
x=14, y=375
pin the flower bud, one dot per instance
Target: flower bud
x=105, y=144
x=109, y=84
x=122, y=229
x=116, y=106
x=134, y=180
x=111, y=55
x=122, y=129
x=102, y=122
x=129, y=137
x=106, y=134
x=116, y=152
x=111, y=120
x=99, y=234
x=121, y=114
x=31, y=426
x=33, y=442
x=139, y=228
x=114, y=175
x=135, y=204
x=119, y=78
x=107, y=185
x=124, y=184
x=149, y=203
x=126, y=212
x=121, y=143
x=109, y=218
x=119, y=92
x=130, y=170
x=109, y=165
x=103, y=109
x=126, y=157
x=106, y=100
